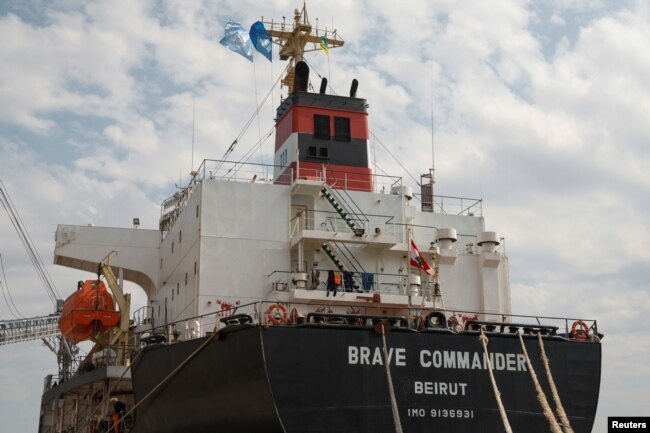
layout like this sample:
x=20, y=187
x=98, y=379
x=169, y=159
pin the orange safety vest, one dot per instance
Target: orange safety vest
x=337, y=278
x=116, y=422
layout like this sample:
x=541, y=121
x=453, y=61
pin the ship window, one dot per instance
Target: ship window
x=197, y=210
x=172, y=294
x=311, y=151
x=180, y=236
x=178, y=286
x=323, y=153
x=160, y=263
x=186, y=278
x=342, y=129
x=194, y=268
x=321, y=127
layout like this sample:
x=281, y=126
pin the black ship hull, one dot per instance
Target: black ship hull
x=325, y=379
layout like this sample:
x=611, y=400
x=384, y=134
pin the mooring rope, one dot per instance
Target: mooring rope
x=497, y=394
x=173, y=372
x=88, y=417
x=548, y=413
x=391, y=390
x=566, y=425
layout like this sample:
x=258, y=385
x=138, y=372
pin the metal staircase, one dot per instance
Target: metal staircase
x=353, y=264
x=16, y=331
x=326, y=247
x=342, y=205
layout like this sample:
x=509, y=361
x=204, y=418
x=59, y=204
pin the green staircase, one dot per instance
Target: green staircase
x=337, y=207
x=332, y=256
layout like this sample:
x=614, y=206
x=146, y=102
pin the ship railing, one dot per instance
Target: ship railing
x=343, y=180
x=469, y=321
x=286, y=313
x=143, y=316
x=473, y=321
x=451, y=205
x=424, y=236
x=332, y=221
x=287, y=174
x=360, y=282
x=267, y=173
x=82, y=364
x=189, y=328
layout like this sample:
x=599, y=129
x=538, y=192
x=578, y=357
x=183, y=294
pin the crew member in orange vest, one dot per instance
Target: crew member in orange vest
x=118, y=411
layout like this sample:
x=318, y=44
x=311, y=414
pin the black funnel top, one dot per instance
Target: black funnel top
x=301, y=79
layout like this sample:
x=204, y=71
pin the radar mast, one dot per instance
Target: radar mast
x=293, y=39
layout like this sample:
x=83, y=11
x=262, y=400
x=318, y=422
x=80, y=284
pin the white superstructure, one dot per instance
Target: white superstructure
x=239, y=238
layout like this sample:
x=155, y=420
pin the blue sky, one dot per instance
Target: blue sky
x=540, y=108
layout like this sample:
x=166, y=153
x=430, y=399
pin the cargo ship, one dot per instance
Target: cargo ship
x=312, y=295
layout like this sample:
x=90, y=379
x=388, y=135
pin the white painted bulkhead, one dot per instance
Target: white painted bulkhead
x=231, y=240
x=244, y=238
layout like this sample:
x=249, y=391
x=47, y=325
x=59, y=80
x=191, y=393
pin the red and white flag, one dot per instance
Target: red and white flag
x=418, y=261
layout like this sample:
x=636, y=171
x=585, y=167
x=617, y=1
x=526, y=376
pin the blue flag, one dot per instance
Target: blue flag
x=238, y=40
x=261, y=39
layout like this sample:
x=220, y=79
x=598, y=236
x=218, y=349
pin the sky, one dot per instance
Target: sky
x=539, y=108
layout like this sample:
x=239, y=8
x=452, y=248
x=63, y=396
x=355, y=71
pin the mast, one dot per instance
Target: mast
x=292, y=42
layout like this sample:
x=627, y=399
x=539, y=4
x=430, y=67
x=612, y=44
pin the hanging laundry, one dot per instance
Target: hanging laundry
x=367, y=281
x=348, y=281
x=331, y=283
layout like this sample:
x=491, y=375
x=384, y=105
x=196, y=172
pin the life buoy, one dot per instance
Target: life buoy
x=277, y=314
x=579, y=334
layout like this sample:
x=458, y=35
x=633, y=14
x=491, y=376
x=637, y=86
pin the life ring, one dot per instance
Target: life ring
x=277, y=314
x=579, y=334
x=435, y=319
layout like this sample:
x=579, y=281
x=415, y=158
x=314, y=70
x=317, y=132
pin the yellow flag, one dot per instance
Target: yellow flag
x=324, y=46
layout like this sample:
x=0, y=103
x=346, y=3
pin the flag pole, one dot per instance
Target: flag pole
x=408, y=263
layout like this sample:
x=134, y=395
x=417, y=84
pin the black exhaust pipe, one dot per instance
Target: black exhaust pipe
x=301, y=79
x=353, y=88
x=323, y=86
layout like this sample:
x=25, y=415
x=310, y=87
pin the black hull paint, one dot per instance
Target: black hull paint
x=305, y=380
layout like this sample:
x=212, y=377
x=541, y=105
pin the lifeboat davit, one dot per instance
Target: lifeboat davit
x=88, y=312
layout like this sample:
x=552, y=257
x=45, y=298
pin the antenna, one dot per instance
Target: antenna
x=193, y=116
x=433, y=153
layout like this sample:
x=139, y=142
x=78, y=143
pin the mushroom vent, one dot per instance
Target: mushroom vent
x=488, y=241
x=446, y=237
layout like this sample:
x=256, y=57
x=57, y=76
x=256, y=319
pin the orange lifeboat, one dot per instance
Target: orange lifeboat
x=88, y=312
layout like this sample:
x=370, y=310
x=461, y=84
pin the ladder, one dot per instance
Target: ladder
x=339, y=203
x=16, y=331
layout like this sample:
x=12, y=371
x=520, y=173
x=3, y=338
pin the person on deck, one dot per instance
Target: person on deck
x=118, y=412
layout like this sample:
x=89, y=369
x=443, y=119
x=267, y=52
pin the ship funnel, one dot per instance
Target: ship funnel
x=323, y=86
x=301, y=79
x=353, y=88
